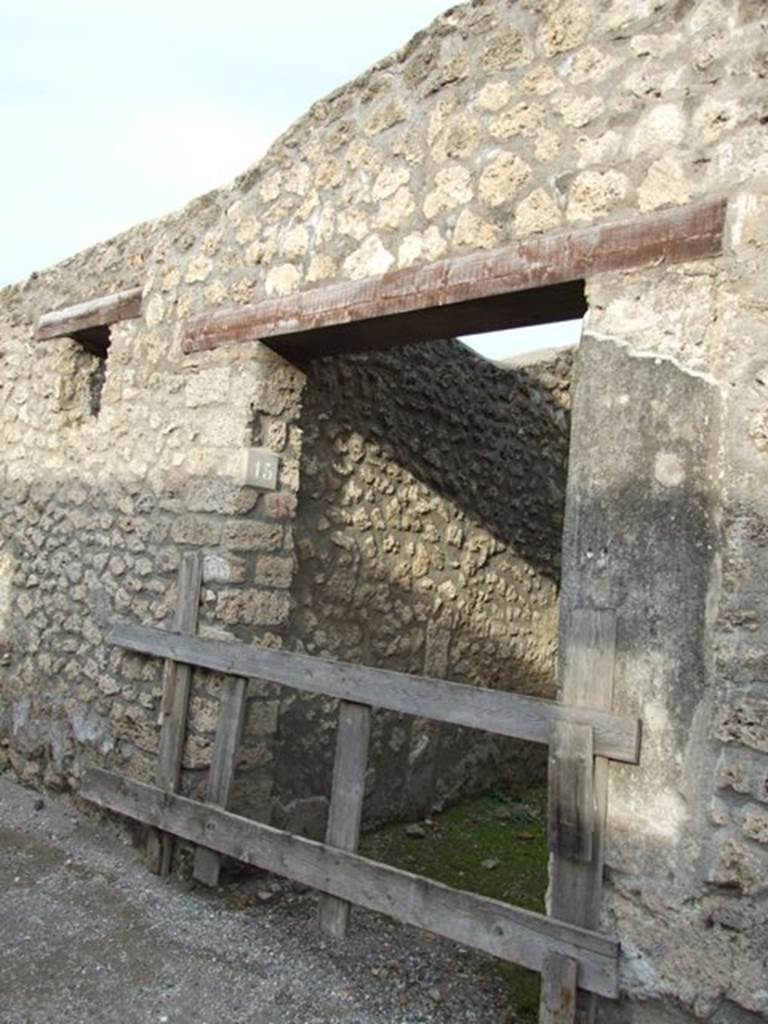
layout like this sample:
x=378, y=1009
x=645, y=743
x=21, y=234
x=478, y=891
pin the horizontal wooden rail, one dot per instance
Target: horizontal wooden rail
x=507, y=714
x=306, y=323
x=521, y=936
x=105, y=310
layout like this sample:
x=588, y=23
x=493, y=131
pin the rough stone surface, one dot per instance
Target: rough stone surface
x=428, y=541
x=502, y=119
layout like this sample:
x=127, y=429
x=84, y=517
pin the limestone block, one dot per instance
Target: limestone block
x=595, y=193
x=198, y=269
x=282, y=279
x=473, y=231
x=190, y=529
x=745, y=721
x=742, y=868
x=537, y=212
x=353, y=221
x=566, y=29
x=523, y=119
x=578, y=111
x=453, y=187
x=756, y=826
x=541, y=81
x=389, y=180
x=589, y=65
x=509, y=49
x=396, y=209
x=371, y=259
x=502, y=179
x=252, y=607
x=251, y=535
x=321, y=267
x=494, y=95
x=295, y=241
x=665, y=184
x=386, y=116
x=662, y=128
x=424, y=246
x=273, y=571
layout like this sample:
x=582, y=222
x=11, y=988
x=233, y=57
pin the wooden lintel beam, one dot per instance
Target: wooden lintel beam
x=507, y=714
x=100, y=312
x=669, y=236
x=511, y=933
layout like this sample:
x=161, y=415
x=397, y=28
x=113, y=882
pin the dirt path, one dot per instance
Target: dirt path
x=88, y=935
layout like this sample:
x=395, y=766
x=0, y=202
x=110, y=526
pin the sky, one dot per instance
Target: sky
x=118, y=111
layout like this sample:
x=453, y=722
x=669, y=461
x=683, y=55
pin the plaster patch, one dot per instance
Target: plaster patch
x=668, y=469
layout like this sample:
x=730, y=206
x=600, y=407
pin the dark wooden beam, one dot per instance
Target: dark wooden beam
x=465, y=294
x=107, y=309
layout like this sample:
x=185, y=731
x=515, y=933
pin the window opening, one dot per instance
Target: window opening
x=95, y=341
x=523, y=344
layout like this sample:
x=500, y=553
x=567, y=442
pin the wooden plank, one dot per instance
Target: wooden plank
x=508, y=714
x=207, y=862
x=346, y=810
x=558, y=990
x=669, y=236
x=107, y=309
x=173, y=708
x=586, y=667
x=546, y=305
x=571, y=792
x=521, y=936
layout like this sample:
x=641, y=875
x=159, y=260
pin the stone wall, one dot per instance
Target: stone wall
x=501, y=120
x=428, y=538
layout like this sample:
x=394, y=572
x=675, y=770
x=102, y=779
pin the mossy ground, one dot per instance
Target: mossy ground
x=507, y=828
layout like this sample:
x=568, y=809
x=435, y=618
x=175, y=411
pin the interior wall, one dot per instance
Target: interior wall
x=428, y=540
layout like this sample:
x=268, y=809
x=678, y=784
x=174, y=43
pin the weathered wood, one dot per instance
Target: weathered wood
x=346, y=808
x=508, y=714
x=510, y=933
x=173, y=707
x=558, y=990
x=586, y=667
x=668, y=236
x=229, y=729
x=107, y=309
x=571, y=792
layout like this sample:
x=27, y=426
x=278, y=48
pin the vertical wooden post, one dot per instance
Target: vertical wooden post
x=173, y=708
x=558, y=990
x=588, y=652
x=222, y=771
x=571, y=792
x=346, y=808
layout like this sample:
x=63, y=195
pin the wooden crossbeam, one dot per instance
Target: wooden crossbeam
x=507, y=714
x=422, y=303
x=521, y=936
x=100, y=312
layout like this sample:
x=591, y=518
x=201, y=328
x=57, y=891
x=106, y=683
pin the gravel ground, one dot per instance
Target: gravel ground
x=88, y=935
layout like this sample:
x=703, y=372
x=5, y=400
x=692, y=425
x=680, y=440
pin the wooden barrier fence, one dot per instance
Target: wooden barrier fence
x=582, y=735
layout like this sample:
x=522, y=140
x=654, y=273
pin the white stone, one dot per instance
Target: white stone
x=370, y=259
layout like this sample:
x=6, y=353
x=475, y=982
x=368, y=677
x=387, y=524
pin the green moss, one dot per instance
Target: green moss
x=508, y=829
